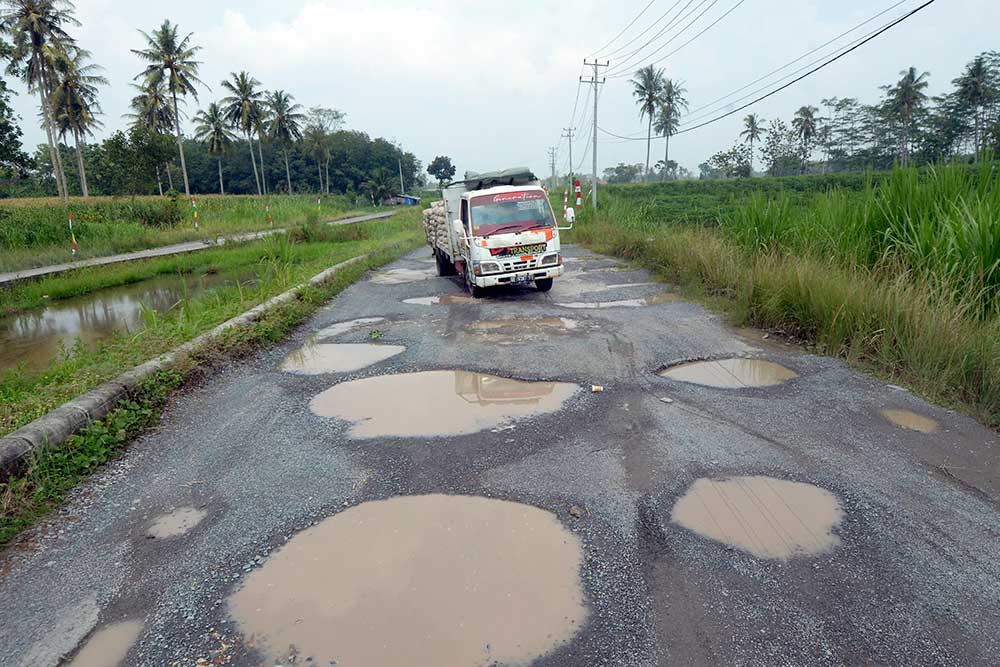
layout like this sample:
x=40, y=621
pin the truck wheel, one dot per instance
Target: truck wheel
x=477, y=291
x=543, y=284
x=445, y=268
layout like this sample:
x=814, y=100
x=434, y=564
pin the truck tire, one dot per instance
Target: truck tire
x=543, y=284
x=445, y=268
x=477, y=291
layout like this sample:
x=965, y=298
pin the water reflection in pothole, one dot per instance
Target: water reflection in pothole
x=764, y=516
x=911, y=421
x=176, y=523
x=343, y=327
x=434, y=403
x=108, y=646
x=419, y=580
x=444, y=300
x=400, y=276
x=321, y=358
x=731, y=373
x=522, y=330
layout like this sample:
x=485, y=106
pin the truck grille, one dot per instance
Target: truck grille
x=519, y=265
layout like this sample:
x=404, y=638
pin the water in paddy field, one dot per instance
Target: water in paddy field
x=37, y=337
x=418, y=580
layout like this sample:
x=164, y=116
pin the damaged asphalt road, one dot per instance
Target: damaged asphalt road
x=731, y=513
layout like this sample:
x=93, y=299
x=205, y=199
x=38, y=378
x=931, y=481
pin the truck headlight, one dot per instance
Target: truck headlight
x=550, y=259
x=486, y=267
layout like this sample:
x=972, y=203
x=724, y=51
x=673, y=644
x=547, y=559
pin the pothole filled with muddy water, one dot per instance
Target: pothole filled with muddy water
x=418, y=580
x=176, y=523
x=763, y=516
x=108, y=646
x=436, y=403
x=521, y=330
x=654, y=300
x=731, y=373
x=401, y=276
x=319, y=358
x=443, y=300
x=911, y=421
x=343, y=327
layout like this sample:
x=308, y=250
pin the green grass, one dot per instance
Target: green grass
x=280, y=262
x=48, y=475
x=34, y=232
x=894, y=277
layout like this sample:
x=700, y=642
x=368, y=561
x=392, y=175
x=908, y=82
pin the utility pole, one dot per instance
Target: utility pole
x=552, y=163
x=402, y=188
x=596, y=80
x=569, y=135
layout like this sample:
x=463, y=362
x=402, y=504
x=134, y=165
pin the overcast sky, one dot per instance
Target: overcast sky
x=493, y=84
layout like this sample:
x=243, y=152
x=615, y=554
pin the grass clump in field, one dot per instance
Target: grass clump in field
x=899, y=277
x=35, y=232
x=279, y=262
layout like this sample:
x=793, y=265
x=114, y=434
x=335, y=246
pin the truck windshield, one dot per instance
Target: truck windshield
x=510, y=212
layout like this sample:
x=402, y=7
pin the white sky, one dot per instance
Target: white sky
x=493, y=84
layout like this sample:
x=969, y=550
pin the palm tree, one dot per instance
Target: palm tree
x=171, y=57
x=74, y=102
x=240, y=109
x=213, y=131
x=975, y=92
x=37, y=29
x=647, y=87
x=804, y=123
x=380, y=184
x=672, y=105
x=286, y=125
x=317, y=142
x=752, y=131
x=908, y=96
x=152, y=107
x=261, y=117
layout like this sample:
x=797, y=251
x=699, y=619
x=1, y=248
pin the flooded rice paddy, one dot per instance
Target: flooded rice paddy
x=437, y=403
x=763, y=516
x=418, y=580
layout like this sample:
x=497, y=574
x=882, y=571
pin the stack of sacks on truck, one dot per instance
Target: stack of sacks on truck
x=434, y=225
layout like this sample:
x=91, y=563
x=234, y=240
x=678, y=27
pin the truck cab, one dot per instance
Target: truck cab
x=501, y=234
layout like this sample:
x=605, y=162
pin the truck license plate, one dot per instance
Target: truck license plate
x=522, y=278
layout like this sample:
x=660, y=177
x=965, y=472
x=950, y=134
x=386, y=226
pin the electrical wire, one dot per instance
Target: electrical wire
x=631, y=23
x=680, y=16
x=648, y=28
x=702, y=32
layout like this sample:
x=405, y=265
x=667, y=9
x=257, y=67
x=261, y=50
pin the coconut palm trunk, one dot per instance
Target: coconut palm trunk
x=43, y=93
x=666, y=156
x=288, y=173
x=327, y=167
x=319, y=170
x=263, y=174
x=649, y=142
x=180, y=146
x=170, y=177
x=253, y=161
x=222, y=188
x=80, y=166
x=159, y=182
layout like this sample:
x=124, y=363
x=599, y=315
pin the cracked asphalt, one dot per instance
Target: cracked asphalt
x=914, y=579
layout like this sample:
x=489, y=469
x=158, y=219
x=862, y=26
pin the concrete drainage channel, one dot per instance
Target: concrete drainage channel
x=57, y=426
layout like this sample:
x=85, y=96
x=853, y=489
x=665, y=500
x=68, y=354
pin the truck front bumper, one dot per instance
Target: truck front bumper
x=518, y=277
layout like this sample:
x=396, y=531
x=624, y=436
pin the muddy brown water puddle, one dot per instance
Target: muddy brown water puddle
x=419, y=580
x=436, y=403
x=36, y=337
x=655, y=300
x=343, y=327
x=731, y=373
x=446, y=300
x=176, y=523
x=400, y=276
x=911, y=421
x=319, y=358
x=764, y=516
x=108, y=646
x=524, y=330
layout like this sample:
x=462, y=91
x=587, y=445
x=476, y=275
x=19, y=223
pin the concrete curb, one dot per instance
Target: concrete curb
x=55, y=427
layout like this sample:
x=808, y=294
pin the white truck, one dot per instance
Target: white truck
x=496, y=229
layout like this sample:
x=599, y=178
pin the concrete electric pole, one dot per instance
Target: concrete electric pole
x=569, y=135
x=596, y=80
x=552, y=164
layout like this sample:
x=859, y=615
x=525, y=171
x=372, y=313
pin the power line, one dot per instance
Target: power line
x=702, y=32
x=631, y=60
x=631, y=23
x=648, y=28
x=814, y=70
x=595, y=81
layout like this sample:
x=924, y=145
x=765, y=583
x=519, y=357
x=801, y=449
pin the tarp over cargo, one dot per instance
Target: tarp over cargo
x=514, y=176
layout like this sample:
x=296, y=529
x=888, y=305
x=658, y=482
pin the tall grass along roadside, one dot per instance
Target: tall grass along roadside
x=284, y=261
x=34, y=232
x=900, y=276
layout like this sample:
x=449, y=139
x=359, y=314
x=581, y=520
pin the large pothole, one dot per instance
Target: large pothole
x=108, y=646
x=911, y=421
x=176, y=523
x=520, y=330
x=731, y=373
x=319, y=358
x=655, y=300
x=764, y=516
x=400, y=276
x=436, y=403
x=419, y=580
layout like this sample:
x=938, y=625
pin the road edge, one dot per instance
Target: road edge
x=59, y=424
